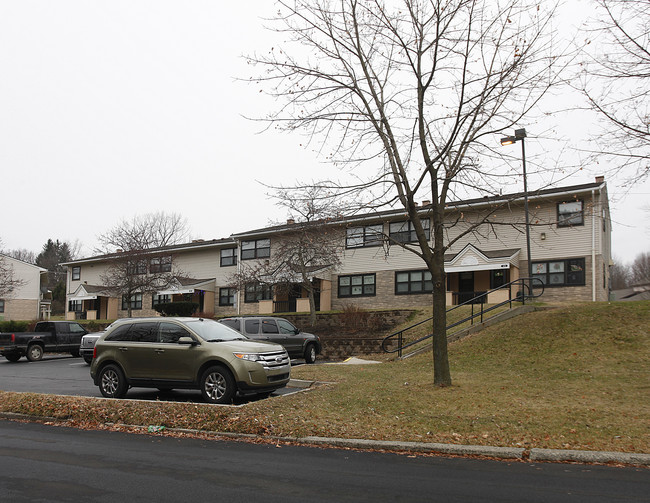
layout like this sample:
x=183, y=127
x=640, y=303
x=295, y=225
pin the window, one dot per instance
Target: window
x=259, y=248
x=227, y=296
x=76, y=273
x=75, y=328
x=252, y=326
x=135, y=302
x=228, y=257
x=137, y=267
x=170, y=332
x=256, y=291
x=403, y=232
x=287, y=327
x=269, y=327
x=160, y=264
x=413, y=282
x=231, y=322
x=74, y=305
x=2, y=306
x=160, y=299
x=362, y=285
x=569, y=214
x=121, y=333
x=570, y=272
x=499, y=277
x=358, y=237
x=144, y=332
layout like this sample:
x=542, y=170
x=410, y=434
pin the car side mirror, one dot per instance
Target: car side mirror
x=187, y=340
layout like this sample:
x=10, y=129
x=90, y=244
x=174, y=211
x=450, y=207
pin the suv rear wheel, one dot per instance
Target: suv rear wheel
x=217, y=385
x=112, y=383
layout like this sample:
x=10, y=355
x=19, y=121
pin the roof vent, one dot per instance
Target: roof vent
x=290, y=221
x=600, y=179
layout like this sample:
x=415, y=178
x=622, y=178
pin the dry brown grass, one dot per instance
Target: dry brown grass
x=577, y=377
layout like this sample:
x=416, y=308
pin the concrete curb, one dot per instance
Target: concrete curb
x=627, y=458
x=540, y=455
x=454, y=449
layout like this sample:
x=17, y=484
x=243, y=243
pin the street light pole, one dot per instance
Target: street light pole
x=520, y=135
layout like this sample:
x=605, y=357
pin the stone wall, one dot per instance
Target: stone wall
x=352, y=332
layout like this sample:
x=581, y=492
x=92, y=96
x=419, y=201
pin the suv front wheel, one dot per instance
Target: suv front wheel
x=217, y=385
x=310, y=353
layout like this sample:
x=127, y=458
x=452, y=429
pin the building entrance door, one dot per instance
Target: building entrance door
x=465, y=286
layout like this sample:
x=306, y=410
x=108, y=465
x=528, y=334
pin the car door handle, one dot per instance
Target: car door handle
x=124, y=349
x=159, y=350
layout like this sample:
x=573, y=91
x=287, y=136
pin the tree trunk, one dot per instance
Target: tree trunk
x=312, y=306
x=441, y=370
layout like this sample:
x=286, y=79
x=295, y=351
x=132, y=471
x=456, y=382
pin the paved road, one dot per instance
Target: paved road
x=48, y=463
x=65, y=375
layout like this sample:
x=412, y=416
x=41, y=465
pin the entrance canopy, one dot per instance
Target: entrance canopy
x=189, y=285
x=89, y=292
x=471, y=258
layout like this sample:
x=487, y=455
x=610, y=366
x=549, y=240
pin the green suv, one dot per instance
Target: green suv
x=188, y=353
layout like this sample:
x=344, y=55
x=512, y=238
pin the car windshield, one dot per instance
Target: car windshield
x=211, y=331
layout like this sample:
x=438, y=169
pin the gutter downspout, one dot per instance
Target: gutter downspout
x=593, y=245
x=238, y=298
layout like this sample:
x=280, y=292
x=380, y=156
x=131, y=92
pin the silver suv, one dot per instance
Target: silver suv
x=189, y=353
x=269, y=328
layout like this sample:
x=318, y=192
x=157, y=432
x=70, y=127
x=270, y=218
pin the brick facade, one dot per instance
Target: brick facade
x=20, y=309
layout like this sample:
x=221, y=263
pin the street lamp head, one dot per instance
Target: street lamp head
x=520, y=134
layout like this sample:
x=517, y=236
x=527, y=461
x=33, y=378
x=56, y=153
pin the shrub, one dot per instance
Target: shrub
x=14, y=326
x=177, y=308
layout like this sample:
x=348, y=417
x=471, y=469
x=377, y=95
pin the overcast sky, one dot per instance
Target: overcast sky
x=109, y=109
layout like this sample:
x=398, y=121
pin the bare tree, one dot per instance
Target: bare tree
x=617, y=85
x=309, y=245
x=640, y=269
x=22, y=254
x=8, y=281
x=151, y=230
x=139, y=262
x=619, y=275
x=418, y=90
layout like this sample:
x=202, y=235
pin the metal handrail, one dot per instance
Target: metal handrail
x=527, y=291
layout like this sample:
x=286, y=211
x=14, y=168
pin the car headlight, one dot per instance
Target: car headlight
x=251, y=357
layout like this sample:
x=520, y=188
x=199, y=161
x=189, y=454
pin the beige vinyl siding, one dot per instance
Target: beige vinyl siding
x=23, y=302
x=28, y=273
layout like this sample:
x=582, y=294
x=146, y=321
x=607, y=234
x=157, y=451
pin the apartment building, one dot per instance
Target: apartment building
x=570, y=249
x=29, y=300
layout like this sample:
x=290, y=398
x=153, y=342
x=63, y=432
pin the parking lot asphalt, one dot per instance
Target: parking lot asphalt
x=65, y=375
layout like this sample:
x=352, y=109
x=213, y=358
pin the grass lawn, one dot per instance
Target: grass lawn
x=576, y=377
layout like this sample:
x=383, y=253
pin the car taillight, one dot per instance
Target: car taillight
x=95, y=352
x=13, y=337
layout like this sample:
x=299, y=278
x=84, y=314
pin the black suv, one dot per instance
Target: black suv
x=266, y=328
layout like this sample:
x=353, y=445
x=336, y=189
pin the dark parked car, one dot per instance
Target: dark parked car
x=49, y=336
x=189, y=353
x=267, y=328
